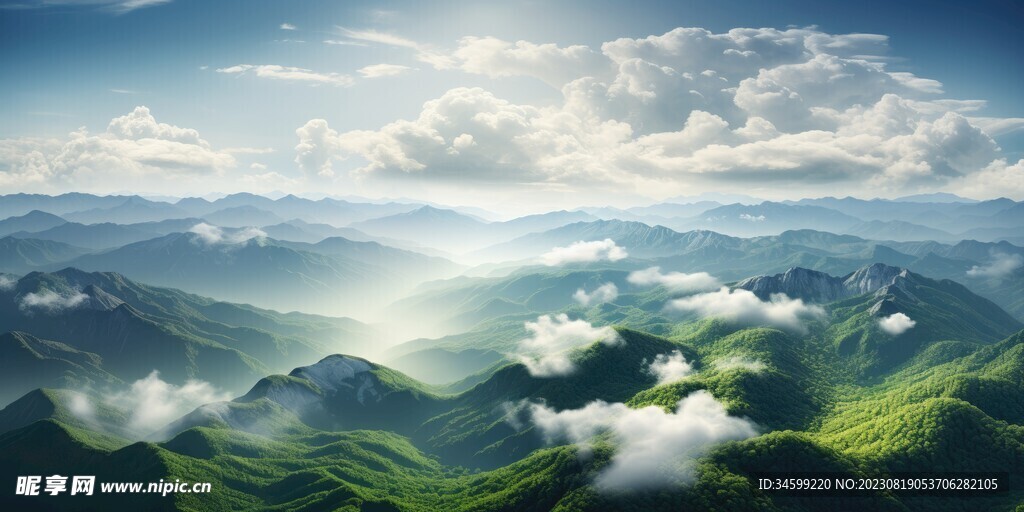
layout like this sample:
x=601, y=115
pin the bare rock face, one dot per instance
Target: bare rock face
x=814, y=286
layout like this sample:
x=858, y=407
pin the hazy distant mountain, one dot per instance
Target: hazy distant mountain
x=669, y=210
x=952, y=217
x=327, y=210
x=639, y=240
x=19, y=255
x=31, y=222
x=537, y=223
x=91, y=236
x=242, y=216
x=166, y=227
x=433, y=227
x=767, y=218
x=105, y=326
x=20, y=204
x=400, y=262
x=938, y=197
x=898, y=230
x=257, y=271
x=134, y=210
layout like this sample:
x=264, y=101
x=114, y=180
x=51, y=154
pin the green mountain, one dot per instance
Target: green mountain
x=225, y=268
x=107, y=329
x=811, y=414
x=19, y=256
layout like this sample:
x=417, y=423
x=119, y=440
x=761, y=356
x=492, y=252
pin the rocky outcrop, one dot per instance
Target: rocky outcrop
x=814, y=286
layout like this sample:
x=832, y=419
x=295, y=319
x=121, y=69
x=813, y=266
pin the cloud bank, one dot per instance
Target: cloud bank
x=153, y=403
x=607, y=292
x=742, y=306
x=134, y=149
x=670, y=368
x=584, y=252
x=51, y=302
x=653, y=448
x=215, y=235
x=739, y=362
x=546, y=352
x=1002, y=265
x=674, y=281
x=896, y=324
x=665, y=114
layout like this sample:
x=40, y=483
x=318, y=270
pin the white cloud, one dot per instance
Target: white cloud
x=317, y=148
x=383, y=70
x=896, y=324
x=423, y=53
x=670, y=368
x=215, y=235
x=134, y=148
x=1002, y=265
x=7, y=282
x=653, y=448
x=290, y=74
x=675, y=281
x=546, y=352
x=998, y=179
x=579, y=252
x=373, y=36
x=751, y=218
x=153, y=403
x=288, y=26
x=113, y=6
x=50, y=301
x=739, y=362
x=742, y=306
x=689, y=110
x=607, y=292
x=338, y=42
x=495, y=58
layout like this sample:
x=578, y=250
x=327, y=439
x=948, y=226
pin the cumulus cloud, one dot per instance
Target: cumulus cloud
x=582, y=252
x=288, y=26
x=214, y=235
x=1002, y=265
x=546, y=352
x=51, y=302
x=896, y=324
x=290, y=74
x=153, y=403
x=653, y=448
x=670, y=368
x=7, y=282
x=383, y=70
x=739, y=362
x=134, y=147
x=752, y=218
x=675, y=281
x=495, y=58
x=688, y=109
x=607, y=292
x=742, y=306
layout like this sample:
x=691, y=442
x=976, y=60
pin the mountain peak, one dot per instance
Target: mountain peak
x=872, y=277
x=814, y=286
x=334, y=372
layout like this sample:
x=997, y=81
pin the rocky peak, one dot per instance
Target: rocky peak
x=872, y=277
x=814, y=286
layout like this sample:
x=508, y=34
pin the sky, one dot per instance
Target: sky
x=516, y=106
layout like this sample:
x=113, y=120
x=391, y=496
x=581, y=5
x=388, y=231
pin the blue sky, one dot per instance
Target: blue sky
x=228, y=73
